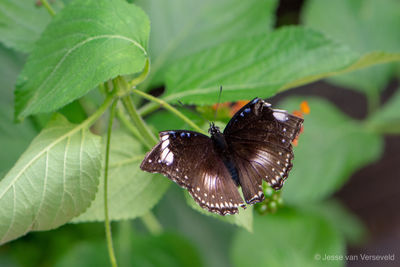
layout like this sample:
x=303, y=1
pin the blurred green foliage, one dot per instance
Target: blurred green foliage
x=194, y=47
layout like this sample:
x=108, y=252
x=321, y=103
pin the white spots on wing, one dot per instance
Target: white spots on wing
x=159, y=161
x=284, y=129
x=266, y=104
x=216, y=205
x=177, y=169
x=277, y=177
x=221, y=197
x=205, y=194
x=202, y=201
x=280, y=153
x=221, y=205
x=283, y=140
x=169, y=159
x=273, y=169
x=186, y=177
x=150, y=161
x=166, y=154
x=278, y=162
x=280, y=116
x=213, y=196
x=281, y=173
x=198, y=188
x=260, y=193
x=212, y=205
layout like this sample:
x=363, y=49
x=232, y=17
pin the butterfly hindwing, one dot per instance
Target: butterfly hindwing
x=260, y=139
x=188, y=158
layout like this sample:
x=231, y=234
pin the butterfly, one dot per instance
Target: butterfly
x=255, y=146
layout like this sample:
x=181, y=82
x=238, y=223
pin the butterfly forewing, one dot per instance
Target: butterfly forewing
x=260, y=139
x=188, y=158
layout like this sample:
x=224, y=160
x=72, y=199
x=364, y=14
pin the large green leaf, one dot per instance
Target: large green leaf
x=21, y=23
x=364, y=25
x=288, y=238
x=87, y=43
x=262, y=66
x=131, y=191
x=53, y=181
x=14, y=138
x=330, y=149
x=181, y=27
x=387, y=119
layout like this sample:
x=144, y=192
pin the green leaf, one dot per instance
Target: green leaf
x=262, y=66
x=331, y=148
x=53, y=181
x=131, y=191
x=243, y=219
x=87, y=43
x=21, y=23
x=288, y=238
x=181, y=27
x=387, y=119
x=365, y=26
x=167, y=249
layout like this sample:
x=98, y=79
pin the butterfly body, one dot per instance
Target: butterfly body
x=255, y=146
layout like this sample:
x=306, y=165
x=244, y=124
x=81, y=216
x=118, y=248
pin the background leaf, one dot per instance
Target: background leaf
x=387, y=119
x=351, y=228
x=167, y=249
x=87, y=43
x=287, y=238
x=14, y=138
x=330, y=149
x=262, y=66
x=131, y=191
x=365, y=26
x=182, y=27
x=53, y=181
x=21, y=23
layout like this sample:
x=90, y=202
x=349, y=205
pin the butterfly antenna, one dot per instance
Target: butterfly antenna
x=219, y=99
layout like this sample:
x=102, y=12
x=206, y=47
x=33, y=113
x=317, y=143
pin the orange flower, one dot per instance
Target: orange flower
x=237, y=106
x=304, y=110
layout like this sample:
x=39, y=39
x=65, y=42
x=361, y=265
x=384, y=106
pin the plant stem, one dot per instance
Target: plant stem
x=125, y=121
x=148, y=108
x=48, y=7
x=107, y=224
x=138, y=121
x=151, y=223
x=142, y=76
x=170, y=108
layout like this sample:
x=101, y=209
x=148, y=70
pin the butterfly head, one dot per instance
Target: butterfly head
x=213, y=130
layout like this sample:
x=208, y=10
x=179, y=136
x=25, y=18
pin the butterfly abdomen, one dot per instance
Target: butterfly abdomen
x=222, y=148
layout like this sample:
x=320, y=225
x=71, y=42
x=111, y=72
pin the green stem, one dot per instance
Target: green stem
x=142, y=76
x=151, y=223
x=48, y=7
x=107, y=224
x=138, y=121
x=148, y=108
x=128, y=125
x=170, y=108
x=92, y=119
